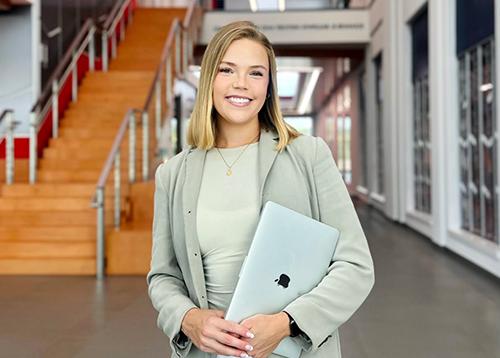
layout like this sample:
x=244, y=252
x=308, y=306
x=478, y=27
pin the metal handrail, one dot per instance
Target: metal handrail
x=112, y=15
x=69, y=64
x=177, y=30
x=10, y=124
x=62, y=65
x=109, y=30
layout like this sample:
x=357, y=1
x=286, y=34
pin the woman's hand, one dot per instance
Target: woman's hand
x=211, y=333
x=269, y=330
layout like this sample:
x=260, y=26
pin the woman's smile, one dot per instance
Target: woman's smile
x=239, y=102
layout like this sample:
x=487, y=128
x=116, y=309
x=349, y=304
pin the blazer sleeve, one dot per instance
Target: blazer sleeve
x=350, y=275
x=166, y=286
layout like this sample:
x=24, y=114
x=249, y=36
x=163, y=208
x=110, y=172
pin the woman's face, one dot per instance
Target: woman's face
x=240, y=87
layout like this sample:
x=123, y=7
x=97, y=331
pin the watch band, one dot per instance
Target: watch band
x=294, y=328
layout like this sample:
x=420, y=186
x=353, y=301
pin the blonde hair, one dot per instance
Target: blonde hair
x=202, y=130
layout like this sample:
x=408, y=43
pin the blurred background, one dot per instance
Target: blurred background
x=95, y=94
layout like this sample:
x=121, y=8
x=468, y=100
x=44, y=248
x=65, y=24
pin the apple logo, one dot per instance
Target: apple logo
x=283, y=281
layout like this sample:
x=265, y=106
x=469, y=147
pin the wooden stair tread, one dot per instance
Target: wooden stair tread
x=45, y=266
x=49, y=233
x=47, y=249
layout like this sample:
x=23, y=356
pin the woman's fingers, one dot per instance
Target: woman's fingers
x=228, y=334
x=231, y=341
x=233, y=327
x=212, y=345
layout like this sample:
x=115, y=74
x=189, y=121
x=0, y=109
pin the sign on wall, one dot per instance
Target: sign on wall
x=298, y=27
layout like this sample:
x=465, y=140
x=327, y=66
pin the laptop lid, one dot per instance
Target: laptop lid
x=290, y=254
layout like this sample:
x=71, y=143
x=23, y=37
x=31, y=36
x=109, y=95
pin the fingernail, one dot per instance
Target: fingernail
x=249, y=347
x=244, y=355
x=250, y=335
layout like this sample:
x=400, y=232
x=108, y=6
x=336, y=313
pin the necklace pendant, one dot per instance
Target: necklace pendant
x=229, y=172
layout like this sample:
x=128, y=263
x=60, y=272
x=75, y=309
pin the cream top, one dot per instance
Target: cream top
x=227, y=216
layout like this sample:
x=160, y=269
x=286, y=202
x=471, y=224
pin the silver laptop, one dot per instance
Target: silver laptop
x=290, y=254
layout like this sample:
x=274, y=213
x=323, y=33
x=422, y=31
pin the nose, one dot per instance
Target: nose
x=240, y=82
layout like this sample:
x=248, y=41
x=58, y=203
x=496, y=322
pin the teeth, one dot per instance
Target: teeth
x=239, y=100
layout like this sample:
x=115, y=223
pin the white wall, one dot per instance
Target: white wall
x=16, y=83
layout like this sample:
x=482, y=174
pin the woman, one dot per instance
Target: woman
x=207, y=204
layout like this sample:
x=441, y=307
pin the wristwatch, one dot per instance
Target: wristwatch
x=294, y=328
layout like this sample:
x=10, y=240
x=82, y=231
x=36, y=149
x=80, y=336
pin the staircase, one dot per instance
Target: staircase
x=50, y=227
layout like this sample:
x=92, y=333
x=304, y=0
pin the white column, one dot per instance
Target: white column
x=370, y=120
x=404, y=116
x=442, y=103
x=390, y=112
x=36, y=43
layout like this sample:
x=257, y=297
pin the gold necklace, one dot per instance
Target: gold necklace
x=229, y=171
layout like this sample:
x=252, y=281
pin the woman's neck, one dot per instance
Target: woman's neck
x=236, y=136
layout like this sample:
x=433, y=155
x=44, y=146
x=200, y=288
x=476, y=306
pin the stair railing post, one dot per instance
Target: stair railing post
x=178, y=63
x=131, y=147
x=117, y=178
x=184, y=51
x=104, y=55
x=130, y=14
x=55, y=109
x=113, y=43
x=33, y=146
x=74, y=78
x=92, y=51
x=168, y=80
x=145, y=145
x=9, y=148
x=158, y=109
x=190, y=47
x=122, y=27
x=100, y=233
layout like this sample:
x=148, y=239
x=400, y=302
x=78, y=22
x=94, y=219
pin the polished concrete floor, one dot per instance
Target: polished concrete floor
x=427, y=303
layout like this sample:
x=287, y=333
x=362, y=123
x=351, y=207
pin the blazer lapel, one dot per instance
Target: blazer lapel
x=267, y=155
x=195, y=162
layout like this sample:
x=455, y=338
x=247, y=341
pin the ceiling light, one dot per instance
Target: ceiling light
x=253, y=5
x=281, y=5
x=306, y=98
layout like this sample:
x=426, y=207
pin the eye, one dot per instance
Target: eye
x=257, y=73
x=225, y=70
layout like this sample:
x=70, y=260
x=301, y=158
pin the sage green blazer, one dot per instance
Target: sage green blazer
x=303, y=177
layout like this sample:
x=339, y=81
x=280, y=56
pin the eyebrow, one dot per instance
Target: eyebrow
x=235, y=65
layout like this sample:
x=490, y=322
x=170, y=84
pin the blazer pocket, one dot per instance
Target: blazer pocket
x=326, y=339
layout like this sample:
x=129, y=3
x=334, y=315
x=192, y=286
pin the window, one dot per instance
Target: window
x=304, y=125
x=343, y=133
x=344, y=147
x=477, y=128
x=421, y=121
x=421, y=145
x=330, y=130
x=477, y=138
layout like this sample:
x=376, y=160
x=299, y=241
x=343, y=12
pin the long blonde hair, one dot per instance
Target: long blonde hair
x=202, y=130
